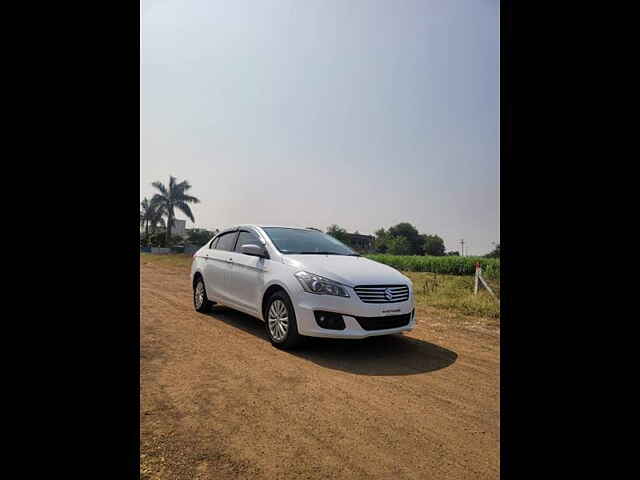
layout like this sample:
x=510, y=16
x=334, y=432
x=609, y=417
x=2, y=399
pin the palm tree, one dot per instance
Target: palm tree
x=145, y=212
x=172, y=197
x=150, y=216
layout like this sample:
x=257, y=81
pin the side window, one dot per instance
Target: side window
x=245, y=238
x=213, y=243
x=227, y=241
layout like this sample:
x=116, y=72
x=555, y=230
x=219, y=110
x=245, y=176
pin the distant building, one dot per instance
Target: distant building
x=359, y=241
x=179, y=227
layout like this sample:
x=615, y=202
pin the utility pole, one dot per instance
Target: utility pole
x=462, y=247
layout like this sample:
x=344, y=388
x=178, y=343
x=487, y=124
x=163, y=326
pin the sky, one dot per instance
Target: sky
x=362, y=113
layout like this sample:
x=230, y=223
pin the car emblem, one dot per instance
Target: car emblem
x=388, y=294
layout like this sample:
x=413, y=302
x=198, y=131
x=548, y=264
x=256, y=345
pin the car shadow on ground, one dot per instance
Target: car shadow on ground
x=384, y=355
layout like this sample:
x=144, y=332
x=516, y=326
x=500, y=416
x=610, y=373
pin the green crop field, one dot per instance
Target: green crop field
x=445, y=265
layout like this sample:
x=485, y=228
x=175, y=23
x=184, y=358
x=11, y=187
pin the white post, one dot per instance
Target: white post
x=475, y=286
x=488, y=288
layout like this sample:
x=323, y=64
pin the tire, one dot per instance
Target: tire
x=279, y=308
x=201, y=304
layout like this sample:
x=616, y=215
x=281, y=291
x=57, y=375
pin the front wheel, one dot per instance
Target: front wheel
x=200, y=301
x=281, y=325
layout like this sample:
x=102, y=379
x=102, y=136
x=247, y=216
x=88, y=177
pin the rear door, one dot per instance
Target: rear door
x=245, y=276
x=207, y=271
x=218, y=263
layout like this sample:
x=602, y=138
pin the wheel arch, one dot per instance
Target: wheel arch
x=271, y=289
x=196, y=275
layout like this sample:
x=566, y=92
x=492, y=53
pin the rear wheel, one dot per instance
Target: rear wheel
x=281, y=325
x=200, y=301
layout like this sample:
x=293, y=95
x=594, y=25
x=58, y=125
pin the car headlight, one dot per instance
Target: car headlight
x=319, y=285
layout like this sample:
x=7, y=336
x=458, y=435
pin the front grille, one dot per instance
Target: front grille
x=377, y=293
x=381, y=323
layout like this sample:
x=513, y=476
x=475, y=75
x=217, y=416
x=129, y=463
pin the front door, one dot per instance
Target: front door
x=245, y=277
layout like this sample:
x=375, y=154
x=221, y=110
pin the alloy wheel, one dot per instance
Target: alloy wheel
x=199, y=294
x=278, y=320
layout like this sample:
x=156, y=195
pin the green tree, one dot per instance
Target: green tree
x=150, y=217
x=199, y=236
x=156, y=239
x=338, y=233
x=411, y=234
x=433, y=245
x=380, y=243
x=172, y=197
x=399, y=246
x=495, y=253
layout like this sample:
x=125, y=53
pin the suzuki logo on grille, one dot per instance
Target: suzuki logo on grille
x=388, y=294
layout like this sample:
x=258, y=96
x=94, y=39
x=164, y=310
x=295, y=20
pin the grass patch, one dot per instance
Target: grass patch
x=169, y=259
x=454, y=292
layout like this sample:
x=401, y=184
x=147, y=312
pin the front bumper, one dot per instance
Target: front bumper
x=306, y=303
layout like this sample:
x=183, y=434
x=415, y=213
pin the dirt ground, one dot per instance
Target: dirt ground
x=218, y=401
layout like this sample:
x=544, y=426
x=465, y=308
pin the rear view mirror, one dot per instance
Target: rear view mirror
x=254, y=250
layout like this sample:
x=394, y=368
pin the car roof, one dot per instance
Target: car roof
x=249, y=225
x=235, y=227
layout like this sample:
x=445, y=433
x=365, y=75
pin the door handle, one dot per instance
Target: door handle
x=230, y=260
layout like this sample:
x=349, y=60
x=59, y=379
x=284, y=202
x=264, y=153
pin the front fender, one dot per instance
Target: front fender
x=195, y=268
x=288, y=287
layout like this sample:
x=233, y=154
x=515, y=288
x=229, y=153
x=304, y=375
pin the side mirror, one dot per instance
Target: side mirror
x=254, y=250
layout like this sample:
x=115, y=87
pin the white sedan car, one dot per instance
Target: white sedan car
x=301, y=282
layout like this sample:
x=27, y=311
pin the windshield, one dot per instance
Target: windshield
x=297, y=241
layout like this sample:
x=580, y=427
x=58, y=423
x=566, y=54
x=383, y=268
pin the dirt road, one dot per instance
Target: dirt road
x=218, y=401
